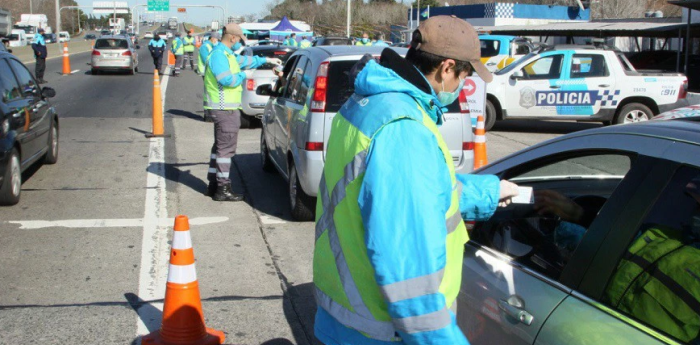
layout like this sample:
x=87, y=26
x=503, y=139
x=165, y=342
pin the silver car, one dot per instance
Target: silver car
x=115, y=54
x=296, y=125
x=252, y=104
x=531, y=278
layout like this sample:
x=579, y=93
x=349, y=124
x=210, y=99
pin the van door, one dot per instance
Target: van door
x=538, y=91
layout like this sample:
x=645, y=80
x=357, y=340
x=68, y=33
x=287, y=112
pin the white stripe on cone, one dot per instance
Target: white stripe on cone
x=480, y=139
x=184, y=274
x=182, y=240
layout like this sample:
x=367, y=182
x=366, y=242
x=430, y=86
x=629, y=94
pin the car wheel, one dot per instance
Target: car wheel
x=491, y=114
x=634, y=112
x=52, y=154
x=12, y=183
x=300, y=203
x=265, y=155
x=245, y=121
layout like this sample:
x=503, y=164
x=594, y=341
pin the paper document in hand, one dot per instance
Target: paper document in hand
x=525, y=196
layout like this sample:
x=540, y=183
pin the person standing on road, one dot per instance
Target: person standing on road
x=178, y=50
x=40, y=52
x=364, y=41
x=204, y=52
x=389, y=229
x=291, y=41
x=305, y=43
x=157, y=47
x=188, y=47
x=222, y=100
x=380, y=41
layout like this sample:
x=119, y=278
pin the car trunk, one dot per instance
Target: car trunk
x=340, y=89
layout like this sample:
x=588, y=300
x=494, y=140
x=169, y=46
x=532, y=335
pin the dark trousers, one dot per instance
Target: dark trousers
x=157, y=62
x=226, y=126
x=40, y=67
x=179, y=59
x=189, y=56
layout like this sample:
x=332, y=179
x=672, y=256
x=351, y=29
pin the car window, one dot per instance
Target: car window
x=272, y=53
x=26, y=81
x=657, y=280
x=548, y=67
x=283, y=82
x=306, y=83
x=295, y=80
x=545, y=239
x=522, y=48
x=490, y=48
x=588, y=66
x=8, y=84
x=339, y=87
x=111, y=43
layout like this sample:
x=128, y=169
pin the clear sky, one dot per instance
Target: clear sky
x=201, y=16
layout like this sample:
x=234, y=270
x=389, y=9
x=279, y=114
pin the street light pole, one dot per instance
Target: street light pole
x=58, y=17
x=31, y=11
x=349, y=17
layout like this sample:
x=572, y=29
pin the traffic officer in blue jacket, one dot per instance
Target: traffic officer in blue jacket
x=40, y=52
x=389, y=240
x=223, y=81
x=157, y=47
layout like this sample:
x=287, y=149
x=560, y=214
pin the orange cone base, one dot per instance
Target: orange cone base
x=213, y=337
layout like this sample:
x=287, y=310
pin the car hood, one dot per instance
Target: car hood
x=376, y=79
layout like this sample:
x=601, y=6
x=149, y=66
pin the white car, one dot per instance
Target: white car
x=168, y=35
x=582, y=83
x=148, y=35
x=63, y=36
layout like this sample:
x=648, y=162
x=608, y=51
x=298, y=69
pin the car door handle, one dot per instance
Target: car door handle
x=555, y=87
x=521, y=315
x=604, y=85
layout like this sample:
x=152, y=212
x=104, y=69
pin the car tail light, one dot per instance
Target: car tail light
x=318, y=102
x=468, y=146
x=95, y=53
x=684, y=90
x=250, y=84
x=463, y=103
x=314, y=146
x=127, y=53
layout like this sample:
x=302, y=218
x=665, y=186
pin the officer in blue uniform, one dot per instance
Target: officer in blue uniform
x=40, y=52
x=157, y=48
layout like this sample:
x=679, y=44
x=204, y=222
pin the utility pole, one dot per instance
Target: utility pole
x=31, y=11
x=349, y=17
x=418, y=16
x=58, y=17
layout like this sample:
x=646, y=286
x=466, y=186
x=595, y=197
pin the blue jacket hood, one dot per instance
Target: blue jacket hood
x=375, y=79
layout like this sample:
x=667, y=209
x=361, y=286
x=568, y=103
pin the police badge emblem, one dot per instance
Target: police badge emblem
x=527, y=97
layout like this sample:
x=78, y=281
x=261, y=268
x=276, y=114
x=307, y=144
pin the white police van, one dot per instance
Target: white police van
x=582, y=83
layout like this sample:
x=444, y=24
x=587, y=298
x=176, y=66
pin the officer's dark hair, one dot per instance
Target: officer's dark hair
x=428, y=62
x=294, y=35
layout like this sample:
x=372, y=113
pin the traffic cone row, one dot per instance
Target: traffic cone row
x=183, y=319
x=480, y=158
x=66, y=60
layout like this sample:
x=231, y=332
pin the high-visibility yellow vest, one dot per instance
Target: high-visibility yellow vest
x=344, y=280
x=658, y=282
x=201, y=64
x=217, y=96
x=189, y=44
x=177, y=47
x=359, y=43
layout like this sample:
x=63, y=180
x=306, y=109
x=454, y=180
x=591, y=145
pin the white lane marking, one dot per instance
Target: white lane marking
x=154, y=246
x=76, y=71
x=105, y=223
x=267, y=219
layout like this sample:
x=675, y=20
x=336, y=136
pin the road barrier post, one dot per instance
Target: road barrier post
x=183, y=319
x=157, y=109
x=480, y=156
x=66, y=59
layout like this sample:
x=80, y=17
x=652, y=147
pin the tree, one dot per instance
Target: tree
x=426, y=3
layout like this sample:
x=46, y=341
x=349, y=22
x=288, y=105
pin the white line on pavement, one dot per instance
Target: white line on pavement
x=105, y=223
x=74, y=72
x=154, y=247
x=267, y=219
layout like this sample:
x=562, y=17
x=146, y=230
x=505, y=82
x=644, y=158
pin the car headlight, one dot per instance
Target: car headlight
x=5, y=127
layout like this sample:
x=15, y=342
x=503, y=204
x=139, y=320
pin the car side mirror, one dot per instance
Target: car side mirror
x=264, y=90
x=517, y=75
x=48, y=92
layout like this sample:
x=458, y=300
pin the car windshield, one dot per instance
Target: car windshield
x=515, y=64
x=272, y=53
x=111, y=43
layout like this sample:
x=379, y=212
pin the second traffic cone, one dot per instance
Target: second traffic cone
x=66, y=59
x=157, y=108
x=480, y=158
x=183, y=320
x=171, y=58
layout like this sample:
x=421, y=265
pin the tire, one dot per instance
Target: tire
x=633, y=112
x=12, y=184
x=300, y=204
x=245, y=121
x=267, y=165
x=491, y=115
x=51, y=156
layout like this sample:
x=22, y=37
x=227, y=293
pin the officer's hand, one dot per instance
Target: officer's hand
x=249, y=73
x=274, y=61
x=507, y=191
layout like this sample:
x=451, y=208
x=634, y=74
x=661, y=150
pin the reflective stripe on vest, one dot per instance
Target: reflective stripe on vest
x=367, y=312
x=221, y=97
x=189, y=48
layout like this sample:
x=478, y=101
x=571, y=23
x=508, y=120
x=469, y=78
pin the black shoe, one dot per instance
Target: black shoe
x=208, y=119
x=211, y=188
x=225, y=194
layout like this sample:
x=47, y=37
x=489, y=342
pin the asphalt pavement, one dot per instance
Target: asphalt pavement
x=84, y=254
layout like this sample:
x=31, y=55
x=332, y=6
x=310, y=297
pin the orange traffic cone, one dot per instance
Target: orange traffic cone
x=480, y=144
x=171, y=58
x=157, y=108
x=183, y=320
x=66, y=60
